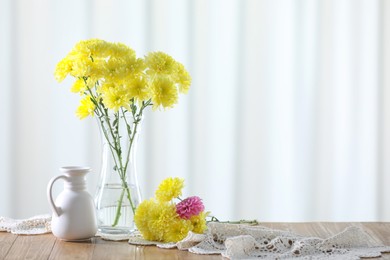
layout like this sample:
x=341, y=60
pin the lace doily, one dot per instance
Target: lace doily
x=254, y=242
x=31, y=226
x=190, y=241
x=239, y=241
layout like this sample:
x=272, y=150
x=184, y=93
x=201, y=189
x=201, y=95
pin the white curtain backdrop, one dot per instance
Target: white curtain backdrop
x=288, y=117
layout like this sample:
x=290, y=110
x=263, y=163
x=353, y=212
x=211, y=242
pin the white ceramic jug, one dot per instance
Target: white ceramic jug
x=74, y=216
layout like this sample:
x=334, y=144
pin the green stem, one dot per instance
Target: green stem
x=242, y=221
x=120, y=168
x=118, y=209
x=112, y=136
x=116, y=143
x=137, y=120
x=128, y=128
x=131, y=144
x=112, y=148
x=115, y=148
x=129, y=198
x=102, y=113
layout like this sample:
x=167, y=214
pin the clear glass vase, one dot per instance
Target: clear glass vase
x=118, y=193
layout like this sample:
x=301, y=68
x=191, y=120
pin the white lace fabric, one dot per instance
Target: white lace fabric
x=32, y=226
x=239, y=241
x=257, y=242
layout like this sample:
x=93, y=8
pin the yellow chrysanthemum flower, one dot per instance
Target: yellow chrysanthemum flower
x=164, y=92
x=169, y=188
x=118, y=50
x=86, y=108
x=160, y=217
x=93, y=48
x=88, y=58
x=199, y=224
x=97, y=70
x=82, y=68
x=63, y=68
x=81, y=86
x=78, y=86
x=157, y=77
x=99, y=48
x=142, y=215
x=115, y=69
x=183, y=79
x=134, y=67
x=160, y=63
x=139, y=89
x=177, y=229
x=158, y=221
x=127, y=67
x=115, y=96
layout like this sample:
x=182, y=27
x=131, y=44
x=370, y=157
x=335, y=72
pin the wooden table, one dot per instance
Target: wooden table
x=48, y=247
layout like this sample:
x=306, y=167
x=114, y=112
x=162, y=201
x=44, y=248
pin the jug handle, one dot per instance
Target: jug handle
x=56, y=210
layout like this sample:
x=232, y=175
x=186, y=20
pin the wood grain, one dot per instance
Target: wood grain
x=6, y=242
x=31, y=247
x=72, y=250
x=114, y=250
x=48, y=247
x=122, y=250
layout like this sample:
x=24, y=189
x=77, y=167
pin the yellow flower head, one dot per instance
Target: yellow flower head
x=161, y=215
x=183, y=79
x=142, y=215
x=93, y=48
x=160, y=63
x=169, y=188
x=177, y=229
x=158, y=221
x=121, y=68
x=164, y=92
x=134, y=67
x=119, y=50
x=115, y=96
x=83, y=68
x=199, y=224
x=86, y=108
x=63, y=68
x=79, y=86
x=115, y=69
x=112, y=73
x=88, y=57
x=139, y=89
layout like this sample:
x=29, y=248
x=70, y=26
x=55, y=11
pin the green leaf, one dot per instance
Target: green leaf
x=133, y=109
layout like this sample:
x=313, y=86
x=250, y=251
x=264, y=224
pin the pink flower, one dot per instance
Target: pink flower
x=189, y=207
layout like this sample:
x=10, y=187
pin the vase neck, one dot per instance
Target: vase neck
x=75, y=183
x=75, y=177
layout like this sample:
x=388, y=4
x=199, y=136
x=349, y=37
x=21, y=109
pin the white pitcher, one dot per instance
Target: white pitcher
x=74, y=216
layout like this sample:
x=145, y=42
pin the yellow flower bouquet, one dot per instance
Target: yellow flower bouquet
x=161, y=219
x=168, y=218
x=117, y=86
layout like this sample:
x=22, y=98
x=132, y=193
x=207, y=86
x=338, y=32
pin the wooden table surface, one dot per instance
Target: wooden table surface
x=48, y=247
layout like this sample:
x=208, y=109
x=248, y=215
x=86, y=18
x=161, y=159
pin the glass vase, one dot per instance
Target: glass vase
x=118, y=193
